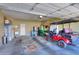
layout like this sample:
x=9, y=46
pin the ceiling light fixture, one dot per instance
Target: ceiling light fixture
x=41, y=17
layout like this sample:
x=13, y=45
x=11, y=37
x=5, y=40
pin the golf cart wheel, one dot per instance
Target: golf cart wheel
x=48, y=39
x=62, y=44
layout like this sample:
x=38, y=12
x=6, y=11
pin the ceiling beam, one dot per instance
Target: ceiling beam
x=22, y=10
x=34, y=6
x=61, y=8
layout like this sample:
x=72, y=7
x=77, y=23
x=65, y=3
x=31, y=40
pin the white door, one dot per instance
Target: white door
x=22, y=29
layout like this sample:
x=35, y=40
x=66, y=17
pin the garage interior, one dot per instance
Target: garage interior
x=18, y=37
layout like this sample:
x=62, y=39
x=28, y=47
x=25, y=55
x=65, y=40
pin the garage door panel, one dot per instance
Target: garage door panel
x=75, y=26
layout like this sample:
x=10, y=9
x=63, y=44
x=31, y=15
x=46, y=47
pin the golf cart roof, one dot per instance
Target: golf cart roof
x=65, y=21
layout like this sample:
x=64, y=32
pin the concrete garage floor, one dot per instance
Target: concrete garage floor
x=25, y=45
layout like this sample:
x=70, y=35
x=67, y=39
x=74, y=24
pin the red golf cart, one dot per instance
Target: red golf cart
x=63, y=37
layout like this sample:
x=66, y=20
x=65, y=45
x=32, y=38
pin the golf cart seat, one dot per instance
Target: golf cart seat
x=66, y=33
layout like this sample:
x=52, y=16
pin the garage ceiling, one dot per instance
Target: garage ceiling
x=34, y=10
